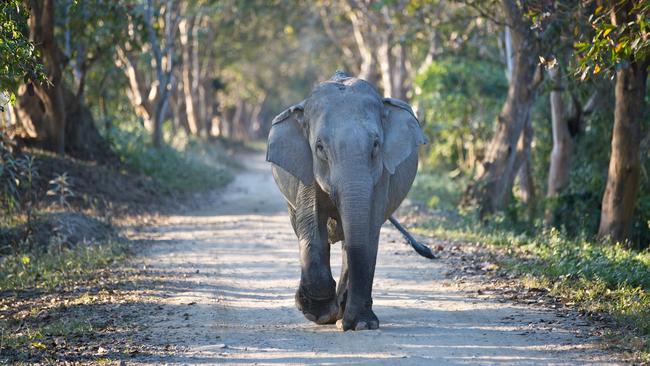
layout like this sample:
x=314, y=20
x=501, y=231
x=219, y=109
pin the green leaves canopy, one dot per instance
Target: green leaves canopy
x=19, y=60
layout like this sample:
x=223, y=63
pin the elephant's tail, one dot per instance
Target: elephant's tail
x=420, y=248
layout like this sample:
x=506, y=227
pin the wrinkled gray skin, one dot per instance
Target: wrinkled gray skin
x=344, y=159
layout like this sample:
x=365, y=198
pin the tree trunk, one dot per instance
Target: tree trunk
x=197, y=76
x=392, y=64
x=186, y=30
x=558, y=174
x=525, y=172
x=399, y=73
x=208, y=103
x=507, y=37
x=41, y=29
x=55, y=118
x=368, y=62
x=492, y=186
x=163, y=74
x=83, y=140
x=624, y=164
x=385, y=61
x=227, y=122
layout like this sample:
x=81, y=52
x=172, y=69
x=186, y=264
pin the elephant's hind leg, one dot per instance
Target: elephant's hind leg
x=342, y=288
x=316, y=295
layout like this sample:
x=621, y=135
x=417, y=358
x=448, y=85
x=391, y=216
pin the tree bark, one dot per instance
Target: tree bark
x=558, y=174
x=491, y=185
x=507, y=37
x=139, y=93
x=41, y=29
x=150, y=99
x=385, y=60
x=55, y=118
x=197, y=76
x=368, y=60
x=624, y=165
x=82, y=138
x=186, y=31
x=163, y=74
x=525, y=172
x=399, y=72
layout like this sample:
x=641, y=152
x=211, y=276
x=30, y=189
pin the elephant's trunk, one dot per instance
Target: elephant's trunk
x=355, y=206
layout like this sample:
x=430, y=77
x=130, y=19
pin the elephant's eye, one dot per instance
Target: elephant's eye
x=320, y=150
x=375, y=144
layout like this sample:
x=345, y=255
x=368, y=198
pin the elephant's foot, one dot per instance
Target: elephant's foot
x=319, y=310
x=364, y=319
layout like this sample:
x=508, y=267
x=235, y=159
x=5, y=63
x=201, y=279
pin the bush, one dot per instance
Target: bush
x=173, y=168
x=439, y=190
x=460, y=99
x=17, y=174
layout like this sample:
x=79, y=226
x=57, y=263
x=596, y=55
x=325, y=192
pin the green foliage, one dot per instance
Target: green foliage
x=172, y=168
x=438, y=190
x=598, y=277
x=17, y=174
x=57, y=265
x=460, y=99
x=19, y=60
x=617, y=39
x=61, y=189
x=88, y=32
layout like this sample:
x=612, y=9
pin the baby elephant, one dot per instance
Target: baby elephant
x=344, y=159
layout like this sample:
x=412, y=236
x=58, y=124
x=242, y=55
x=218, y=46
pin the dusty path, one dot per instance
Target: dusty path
x=231, y=271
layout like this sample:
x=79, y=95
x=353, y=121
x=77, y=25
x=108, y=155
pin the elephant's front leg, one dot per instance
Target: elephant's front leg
x=316, y=295
x=360, y=263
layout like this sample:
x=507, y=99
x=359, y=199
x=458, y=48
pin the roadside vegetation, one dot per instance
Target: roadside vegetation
x=591, y=274
x=556, y=208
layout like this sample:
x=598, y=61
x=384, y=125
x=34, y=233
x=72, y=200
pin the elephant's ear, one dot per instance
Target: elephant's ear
x=402, y=133
x=288, y=147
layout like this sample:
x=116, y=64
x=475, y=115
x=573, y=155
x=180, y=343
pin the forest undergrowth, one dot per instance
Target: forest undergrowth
x=60, y=237
x=598, y=278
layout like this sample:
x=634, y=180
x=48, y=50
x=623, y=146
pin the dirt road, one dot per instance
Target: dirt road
x=229, y=273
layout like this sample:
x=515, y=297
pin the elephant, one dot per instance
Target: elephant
x=344, y=159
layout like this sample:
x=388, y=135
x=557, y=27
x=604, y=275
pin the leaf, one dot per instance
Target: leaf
x=607, y=32
x=25, y=259
x=596, y=69
x=618, y=47
x=38, y=345
x=598, y=9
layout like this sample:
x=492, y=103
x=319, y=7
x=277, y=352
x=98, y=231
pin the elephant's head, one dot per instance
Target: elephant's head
x=344, y=136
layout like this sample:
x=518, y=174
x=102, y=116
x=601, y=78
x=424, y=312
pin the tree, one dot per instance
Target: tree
x=621, y=44
x=492, y=185
x=149, y=94
x=56, y=118
x=558, y=175
x=383, y=34
x=41, y=30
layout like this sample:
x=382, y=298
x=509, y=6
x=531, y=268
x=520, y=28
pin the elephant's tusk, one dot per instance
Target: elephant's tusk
x=420, y=248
